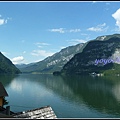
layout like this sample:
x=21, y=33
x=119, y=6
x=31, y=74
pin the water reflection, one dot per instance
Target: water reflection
x=55, y=84
x=70, y=96
x=101, y=93
x=6, y=79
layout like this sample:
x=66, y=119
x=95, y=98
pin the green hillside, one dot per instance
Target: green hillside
x=6, y=66
x=106, y=49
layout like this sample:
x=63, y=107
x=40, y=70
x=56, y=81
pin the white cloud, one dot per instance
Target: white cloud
x=63, y=30
x=74, y=30
x=39, y=43
x=99, y=28
x=116, y=16
x=42, y=53
x=17, y=60
x=40, y=46
x=2, y=21
x=76, y=41
x=60, y=30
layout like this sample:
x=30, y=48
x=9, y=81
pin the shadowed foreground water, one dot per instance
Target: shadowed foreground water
x=70, y=97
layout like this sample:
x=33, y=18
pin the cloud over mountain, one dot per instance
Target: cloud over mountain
x=116, y=16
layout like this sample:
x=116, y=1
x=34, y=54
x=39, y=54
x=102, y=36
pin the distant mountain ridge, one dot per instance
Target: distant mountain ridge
x=20, y=66
x=80, y=58
x=6, y=66
x=54, y=62
x=103, y=47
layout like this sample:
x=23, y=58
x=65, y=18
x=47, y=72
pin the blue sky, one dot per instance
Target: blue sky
x=32, y=31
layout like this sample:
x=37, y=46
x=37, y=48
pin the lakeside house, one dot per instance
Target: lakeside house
x=4, y=112
x=3, y=94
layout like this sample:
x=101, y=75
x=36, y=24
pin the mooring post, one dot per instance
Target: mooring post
x=7, y=110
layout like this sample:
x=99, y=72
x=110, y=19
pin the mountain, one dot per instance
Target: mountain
x=54, y=62
x=6, y=66
x=20, y=66
x=101, y=55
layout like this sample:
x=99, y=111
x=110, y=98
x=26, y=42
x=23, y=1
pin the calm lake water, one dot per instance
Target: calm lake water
x=69, y=97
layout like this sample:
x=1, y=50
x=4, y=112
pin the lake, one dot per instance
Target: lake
x=69, y=97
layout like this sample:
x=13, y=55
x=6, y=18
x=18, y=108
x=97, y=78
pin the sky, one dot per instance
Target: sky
x=32, y=31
